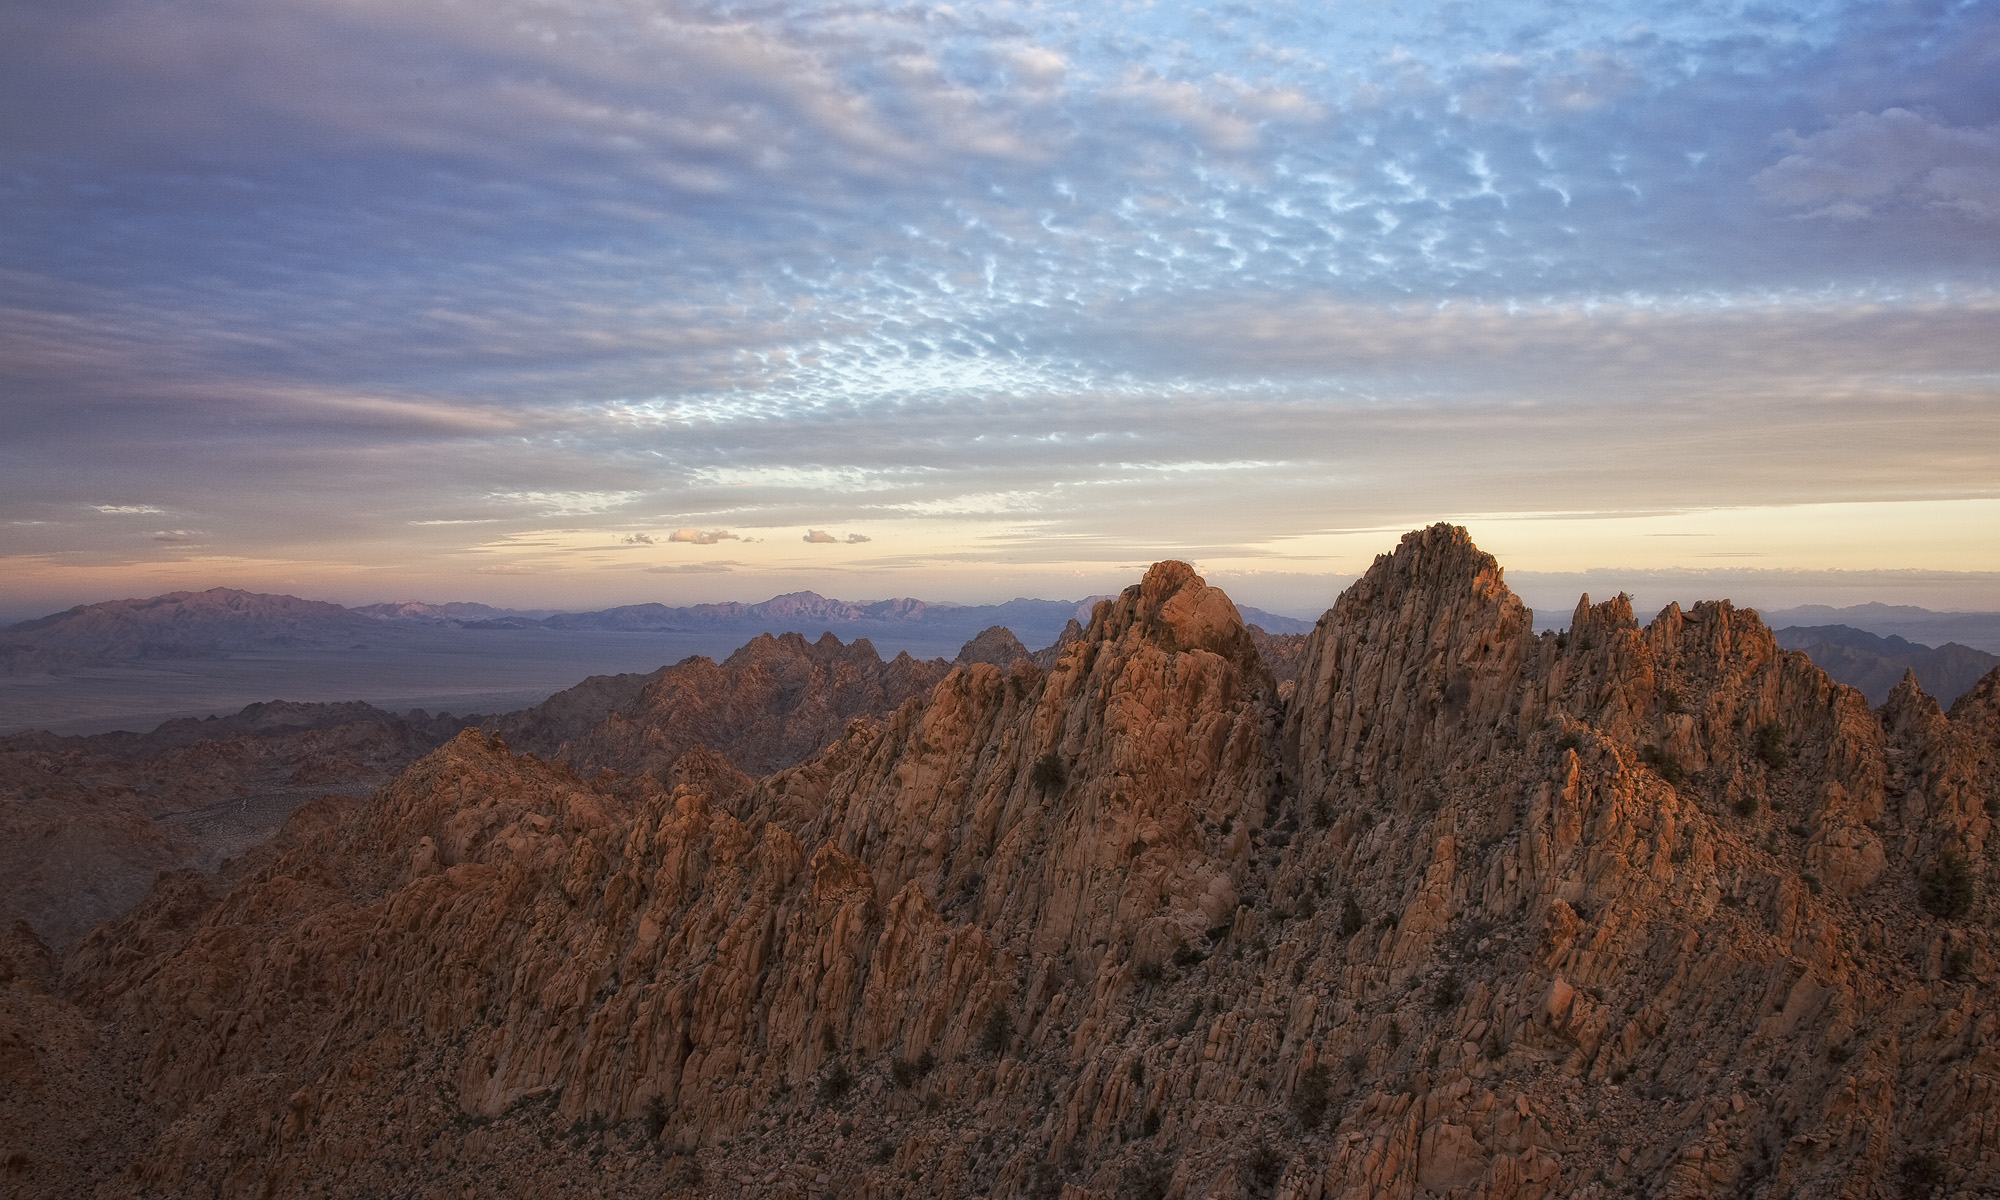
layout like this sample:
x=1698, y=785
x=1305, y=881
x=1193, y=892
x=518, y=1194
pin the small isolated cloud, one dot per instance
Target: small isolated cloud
x=701, y=537
x=820, y=537
x=852, y=538
x=1866, y=163
x=695, y=568
x=122, y=509
x=505, y=569
x=636, y=539
x=176, y=536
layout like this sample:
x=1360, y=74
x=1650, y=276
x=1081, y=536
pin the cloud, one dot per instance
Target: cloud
x=505, y=569
x=701, y=537
x=855, y=538
x=714, y=566
x=820, y=537
x=1867, y=164
x=636, y=539
x=570, y=504
x=176, y=536
x=122, y=509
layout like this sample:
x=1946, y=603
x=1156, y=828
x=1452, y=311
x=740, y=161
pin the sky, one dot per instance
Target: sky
x=569, y=304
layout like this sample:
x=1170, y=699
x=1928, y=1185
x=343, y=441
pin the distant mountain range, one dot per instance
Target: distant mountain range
x=1876, y=664
x=221, y=620
x=1979, y=630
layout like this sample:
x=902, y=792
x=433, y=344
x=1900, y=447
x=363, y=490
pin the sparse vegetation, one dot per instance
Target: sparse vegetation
x=1812, y=883
x=1049, y=775
x=1569, y=741
x=1448, y=990
x=1262, y=1168
x=1311, y=1097
x=996, y=1033
x=1920, y=1176
x=1746, y=804
x=1664, y=764
x=1146, y=1177
x=1946, y=889
x=1351, y=919
x=1670, y=701
x=1770, y=745
x=835, y=1084
x=1149, y=972
x=656, y=1116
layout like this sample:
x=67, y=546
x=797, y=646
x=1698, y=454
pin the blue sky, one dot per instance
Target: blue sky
x=570, y=303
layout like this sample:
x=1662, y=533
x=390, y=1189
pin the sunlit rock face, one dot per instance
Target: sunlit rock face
x=1460, y=911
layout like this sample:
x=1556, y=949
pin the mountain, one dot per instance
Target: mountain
x=1628, y=910
x=1979, y=630
x=175, y=625
x=214, y=623
x=1876, y=664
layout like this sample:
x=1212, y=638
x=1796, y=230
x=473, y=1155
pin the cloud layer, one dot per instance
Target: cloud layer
x=356, y=287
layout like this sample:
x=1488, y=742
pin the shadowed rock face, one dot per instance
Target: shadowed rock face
x=1478, y=913
x=770, y=705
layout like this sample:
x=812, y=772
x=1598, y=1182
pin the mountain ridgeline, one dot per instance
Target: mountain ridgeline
x=1453, y=910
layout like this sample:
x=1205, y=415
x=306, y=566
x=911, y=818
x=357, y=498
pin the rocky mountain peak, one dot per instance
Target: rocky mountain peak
x=1478, y=913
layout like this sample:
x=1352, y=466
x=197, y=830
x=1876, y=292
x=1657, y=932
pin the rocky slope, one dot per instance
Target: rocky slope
x=1653, y=910
x=769, y=705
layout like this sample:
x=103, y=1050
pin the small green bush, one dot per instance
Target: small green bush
x=1448, y=991
x=1921, y=1176
x=1665, y=765
x=1351, y=919
x=997, y=1032
x=835, y=1084
x=1149, y=972
x=1771, y=745
x=1262, y=1169
x=1311, y=1097
x=1049, y=775
x=1946, y=889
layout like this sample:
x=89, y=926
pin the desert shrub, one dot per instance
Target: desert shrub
x=1311, y=1097
x=1746, y=805
x=1049, y=775
x=1945, y=890
x=1351, y=919
x=1921, y=1176
x=1149, y=971
x=1186, y=955
x=656, y=1116
x=1262, y=1168
x=1569, y=741
x=1448, y=990
x=1770, y=745
x=1958, y=963
x=903, y=1073
x=1812, y=883
x=1665, y=765
x=1151, y=1125
x=1670, y=701
x=1145, y=1177
x=835, y=1084
x=996, y=1033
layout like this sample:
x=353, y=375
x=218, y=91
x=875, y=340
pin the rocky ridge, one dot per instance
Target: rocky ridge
x=1633, y=909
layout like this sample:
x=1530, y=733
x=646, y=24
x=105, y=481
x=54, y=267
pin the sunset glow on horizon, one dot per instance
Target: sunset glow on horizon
x=565, y=305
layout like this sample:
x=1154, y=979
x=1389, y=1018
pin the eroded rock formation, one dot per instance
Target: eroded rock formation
x=1649, y=910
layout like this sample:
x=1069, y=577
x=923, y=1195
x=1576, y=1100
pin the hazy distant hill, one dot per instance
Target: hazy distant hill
x=1876, y=664
x=220, y=620
x=1979, y=630
x=175, y=625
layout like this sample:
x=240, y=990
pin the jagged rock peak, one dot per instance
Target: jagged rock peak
x=996, y=645
x=1175, y=608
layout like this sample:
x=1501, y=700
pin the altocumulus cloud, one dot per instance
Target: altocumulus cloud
x=521, y=265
